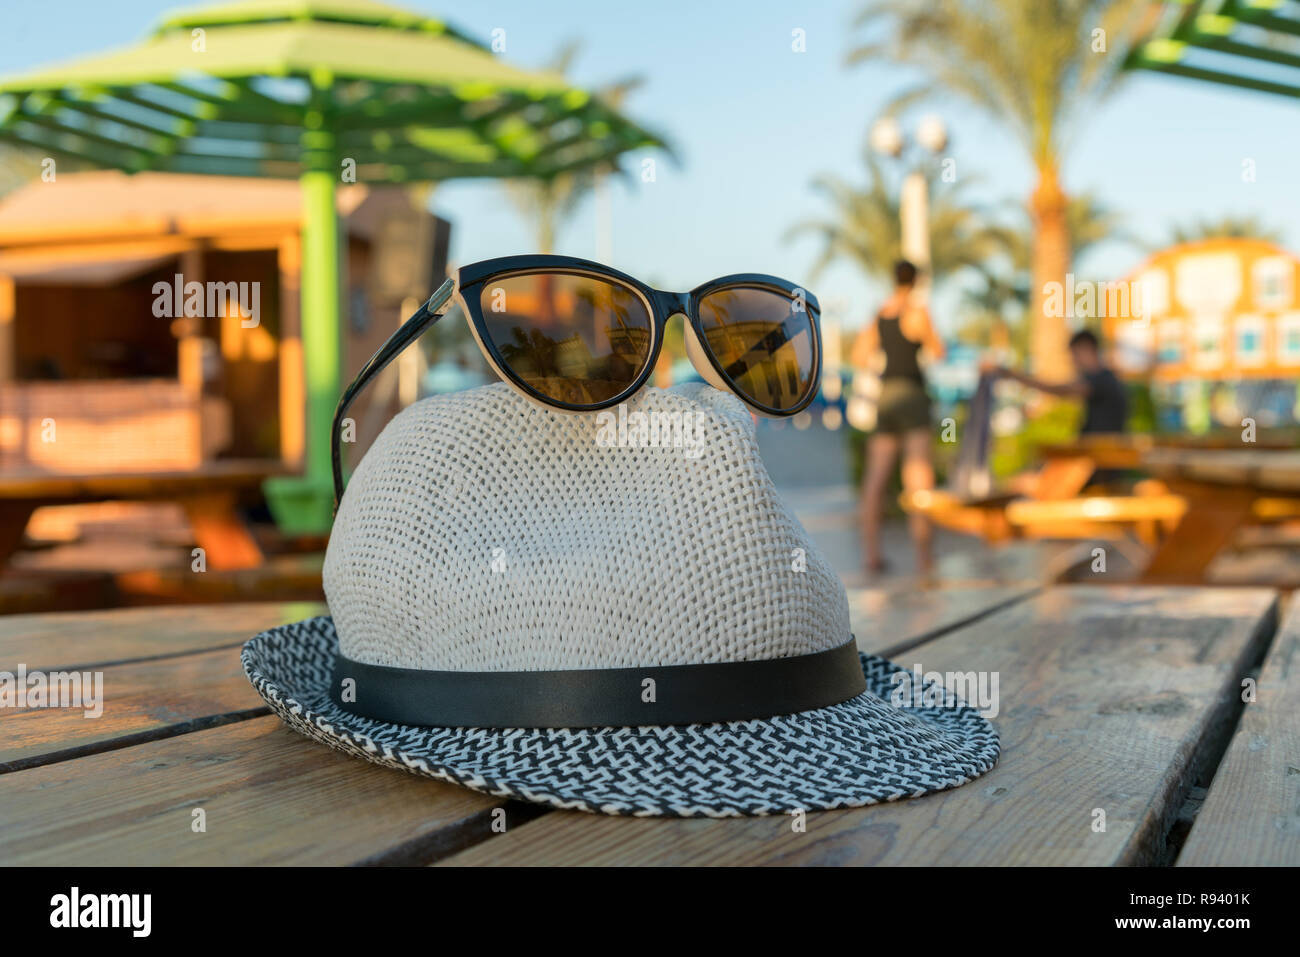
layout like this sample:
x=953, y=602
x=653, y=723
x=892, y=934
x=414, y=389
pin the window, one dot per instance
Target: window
x=1288, y=339
x=1273, y=282
x=1171, y=342
x=1134, y=342
x=1251, y=332
x=1208, y=344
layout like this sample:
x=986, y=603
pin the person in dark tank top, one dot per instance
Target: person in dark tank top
x=892, y=343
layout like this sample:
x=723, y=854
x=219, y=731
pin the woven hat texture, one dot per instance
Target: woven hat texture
x=484, y=532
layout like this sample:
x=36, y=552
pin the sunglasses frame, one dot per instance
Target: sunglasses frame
x=465, y=288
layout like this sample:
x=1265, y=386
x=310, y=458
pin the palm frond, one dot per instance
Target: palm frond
x=1228, y=226
x=1034, y=65
x=865, y=228
x=548, y=203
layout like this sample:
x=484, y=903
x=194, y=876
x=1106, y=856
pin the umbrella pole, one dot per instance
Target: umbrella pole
x=305, y=505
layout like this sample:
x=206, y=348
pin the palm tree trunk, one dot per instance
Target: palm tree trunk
x=1051, y=261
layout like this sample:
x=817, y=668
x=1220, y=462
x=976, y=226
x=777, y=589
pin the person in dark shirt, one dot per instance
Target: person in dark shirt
x=1105, y=401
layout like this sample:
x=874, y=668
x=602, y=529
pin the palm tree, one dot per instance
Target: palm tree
x=1033, y=65
x=1003, y=294
x=1088, y=221
x=866, y=228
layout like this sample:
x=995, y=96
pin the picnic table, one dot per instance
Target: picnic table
x=1225, y=489
x=208, y=494
x=1103, y=450
x=1115, y=704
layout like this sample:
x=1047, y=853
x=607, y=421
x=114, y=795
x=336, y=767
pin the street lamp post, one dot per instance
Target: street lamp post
x=887, y=138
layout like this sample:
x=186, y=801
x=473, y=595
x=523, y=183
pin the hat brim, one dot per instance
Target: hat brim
x=861, y=751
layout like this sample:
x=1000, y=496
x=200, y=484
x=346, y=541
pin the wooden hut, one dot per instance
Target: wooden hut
x=128, y=340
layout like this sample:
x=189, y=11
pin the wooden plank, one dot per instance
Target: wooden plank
x=270, y=796
x=1272, y=469
x=140, y=700
x=1251, y=815
x=1063, y=477
x=13, y=527
x=1105, y=451
x=985, y=518
x=887, y=622
x=1098, y=508
x=99, y=638
x=26, y=591
x=1107, y=696
x=294, y=577
x=1015, y=563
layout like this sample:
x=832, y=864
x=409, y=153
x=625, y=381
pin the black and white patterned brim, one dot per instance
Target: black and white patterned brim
x=862, y=751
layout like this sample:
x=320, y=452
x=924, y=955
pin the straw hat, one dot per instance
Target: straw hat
x=612, y=612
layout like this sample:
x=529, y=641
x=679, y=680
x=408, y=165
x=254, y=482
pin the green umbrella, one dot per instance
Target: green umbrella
x=318, y=90
x=1252, y=44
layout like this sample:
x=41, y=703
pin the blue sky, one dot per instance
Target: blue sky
x=755, y=122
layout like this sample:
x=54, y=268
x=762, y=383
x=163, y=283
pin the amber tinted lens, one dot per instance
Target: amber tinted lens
x=763, y=340
x=575, y=339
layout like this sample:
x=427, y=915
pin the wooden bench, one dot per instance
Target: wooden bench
x=1200, y=501
x=1098, y=517
x=1052, y=503
x=1111, y=700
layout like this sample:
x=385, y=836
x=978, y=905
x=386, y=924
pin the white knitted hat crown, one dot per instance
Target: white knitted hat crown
x=483, y=532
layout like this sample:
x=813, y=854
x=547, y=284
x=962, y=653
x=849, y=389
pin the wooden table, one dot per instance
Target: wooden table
x=1225, y=489
x=209, y=496
x=1103, y=451
x=1113, y=700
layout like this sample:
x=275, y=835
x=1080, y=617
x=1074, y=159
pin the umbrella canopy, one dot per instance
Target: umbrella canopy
x=1252, y=44
x=327, y=91
x=276, y=87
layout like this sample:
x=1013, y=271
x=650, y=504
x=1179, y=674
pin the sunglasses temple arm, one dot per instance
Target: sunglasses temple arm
x=409, y=331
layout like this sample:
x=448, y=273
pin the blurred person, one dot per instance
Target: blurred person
x=892, y=343
x=1105, y=402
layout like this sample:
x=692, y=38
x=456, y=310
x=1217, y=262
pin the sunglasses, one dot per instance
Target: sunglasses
x=578, y=336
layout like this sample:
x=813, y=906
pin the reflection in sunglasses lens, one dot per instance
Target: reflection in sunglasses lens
x=763, y=340
x=574, y=339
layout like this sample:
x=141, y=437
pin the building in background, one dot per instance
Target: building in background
x=1215, y=327
x=91, y=341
